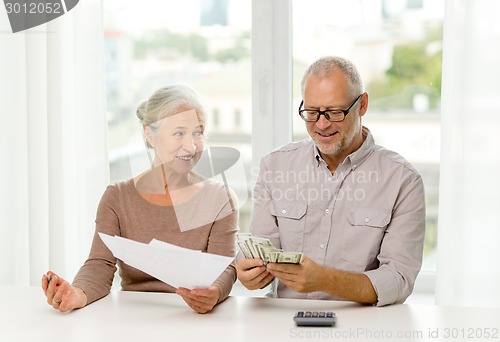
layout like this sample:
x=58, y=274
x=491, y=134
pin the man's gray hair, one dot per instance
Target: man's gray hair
x=325, y=66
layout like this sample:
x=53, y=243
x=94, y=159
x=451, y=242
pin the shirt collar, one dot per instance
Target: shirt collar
x=317, y=156
x=358, y=156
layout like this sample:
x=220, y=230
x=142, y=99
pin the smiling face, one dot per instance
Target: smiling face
x=178, y=140
x=335, y=140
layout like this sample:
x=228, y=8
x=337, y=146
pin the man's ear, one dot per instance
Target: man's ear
x=364, y=104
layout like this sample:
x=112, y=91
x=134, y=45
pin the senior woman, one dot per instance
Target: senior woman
x=168, y=202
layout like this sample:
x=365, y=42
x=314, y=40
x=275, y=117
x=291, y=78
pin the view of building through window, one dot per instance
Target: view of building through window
x=396, y=45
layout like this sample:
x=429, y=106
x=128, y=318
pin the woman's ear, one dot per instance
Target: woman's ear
x=148, y=135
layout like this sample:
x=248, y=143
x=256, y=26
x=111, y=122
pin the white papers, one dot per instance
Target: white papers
x=174, y=265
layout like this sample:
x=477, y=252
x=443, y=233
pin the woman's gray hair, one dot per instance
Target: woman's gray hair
x=325, y=66
x=168, y=101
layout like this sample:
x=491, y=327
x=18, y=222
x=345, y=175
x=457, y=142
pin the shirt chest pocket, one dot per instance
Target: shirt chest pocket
x=291, y=218
x=363, y=235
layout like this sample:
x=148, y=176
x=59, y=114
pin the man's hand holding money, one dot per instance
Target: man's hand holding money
x=253, y=274
x=259, y=253
x=304, y=277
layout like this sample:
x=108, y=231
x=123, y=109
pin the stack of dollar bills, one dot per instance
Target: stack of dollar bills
x=256, y=247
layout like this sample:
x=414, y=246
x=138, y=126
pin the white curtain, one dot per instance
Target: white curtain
x=53, y=143
x=468, y=269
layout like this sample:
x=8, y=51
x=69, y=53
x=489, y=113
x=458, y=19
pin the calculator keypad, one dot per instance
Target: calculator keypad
x=315, y=318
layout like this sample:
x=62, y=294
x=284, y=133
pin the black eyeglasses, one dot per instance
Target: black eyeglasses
x=332, y=115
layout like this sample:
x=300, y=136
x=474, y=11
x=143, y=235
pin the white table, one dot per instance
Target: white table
x=141, y=317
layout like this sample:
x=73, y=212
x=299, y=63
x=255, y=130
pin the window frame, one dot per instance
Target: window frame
x=271, y=76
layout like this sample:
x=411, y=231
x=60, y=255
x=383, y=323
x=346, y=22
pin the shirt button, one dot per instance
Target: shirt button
x=283, y=211
x=322, y=246
x=327, y=211
x=330, y=179
x=367, y=219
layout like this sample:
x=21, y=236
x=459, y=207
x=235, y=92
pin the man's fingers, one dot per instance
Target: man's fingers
x=285, y=273
x=264, y=282
x=283, y=268
x=255, y=273
x=261, y=277
x=247, y=264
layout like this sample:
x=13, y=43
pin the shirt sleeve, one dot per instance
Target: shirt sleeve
x=400, y=257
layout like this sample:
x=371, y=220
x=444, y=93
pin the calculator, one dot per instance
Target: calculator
x=315, y=318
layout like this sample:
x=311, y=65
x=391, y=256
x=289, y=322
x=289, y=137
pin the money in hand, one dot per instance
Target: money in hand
x=262, y=248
